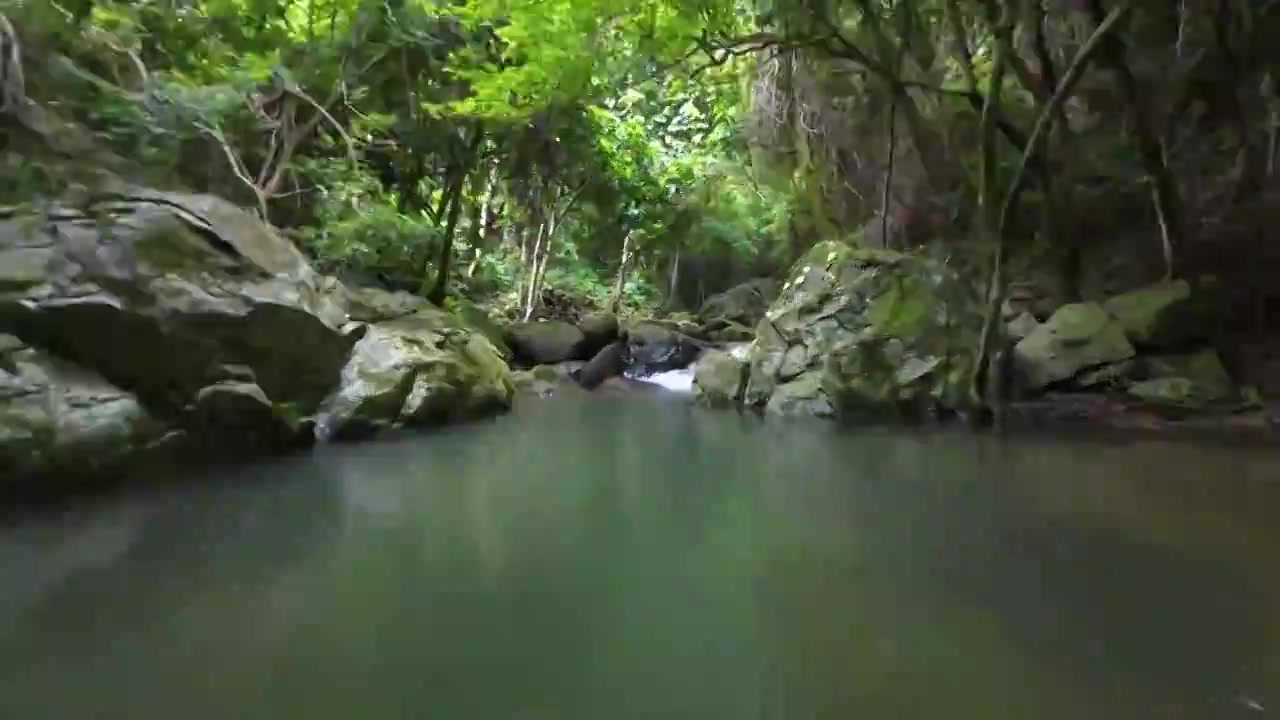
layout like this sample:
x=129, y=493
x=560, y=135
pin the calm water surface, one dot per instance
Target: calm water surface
x=609, y=558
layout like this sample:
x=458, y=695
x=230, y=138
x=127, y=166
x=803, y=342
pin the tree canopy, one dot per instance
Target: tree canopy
x=501, y=148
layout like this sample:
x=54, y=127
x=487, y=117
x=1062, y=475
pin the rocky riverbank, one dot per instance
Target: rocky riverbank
x=875, y=335
x=160, y=323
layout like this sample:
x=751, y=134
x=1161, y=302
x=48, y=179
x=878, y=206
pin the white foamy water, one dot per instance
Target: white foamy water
x=673, y=380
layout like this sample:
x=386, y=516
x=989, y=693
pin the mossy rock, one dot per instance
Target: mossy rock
x=865, y=333
x=1078, y=337
x=1166, y=315
x=474, y=317
x=719, y=379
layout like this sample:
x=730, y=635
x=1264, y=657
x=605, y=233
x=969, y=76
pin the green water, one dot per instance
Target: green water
x=606, y=558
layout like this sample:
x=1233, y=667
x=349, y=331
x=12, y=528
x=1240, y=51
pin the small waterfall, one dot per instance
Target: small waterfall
x=680, y=381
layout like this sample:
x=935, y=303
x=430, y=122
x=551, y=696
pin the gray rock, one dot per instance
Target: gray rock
x=58, y=418
x=237, y=419
x=599, y=329
x=155, y=297
x=1078, y=337
x=419, y=370
x=1165, y=315
x=546, y=342
x=719, y=379
x=740, y=306
x=653, y=347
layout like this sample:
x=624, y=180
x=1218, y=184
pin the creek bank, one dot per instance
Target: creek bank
x=870, y=335
x=168, y=320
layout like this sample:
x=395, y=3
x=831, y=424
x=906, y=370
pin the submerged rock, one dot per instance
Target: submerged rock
x=865, y=333
x=1079, y=336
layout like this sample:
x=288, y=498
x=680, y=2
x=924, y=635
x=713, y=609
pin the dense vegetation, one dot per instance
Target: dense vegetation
x=647, y=153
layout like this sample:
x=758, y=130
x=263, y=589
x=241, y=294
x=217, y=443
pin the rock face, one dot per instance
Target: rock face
x=203, y=319
x=1078, y=337
x=865, y=333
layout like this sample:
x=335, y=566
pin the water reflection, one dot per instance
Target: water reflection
x=633, y=557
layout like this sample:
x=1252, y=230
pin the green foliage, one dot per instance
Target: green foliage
x=584, y=110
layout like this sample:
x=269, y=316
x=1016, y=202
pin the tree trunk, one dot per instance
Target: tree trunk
x=674, y=286
x=989, y=219
x=620, y=282
x=1164, y=185
x=441, y=289
x=531, y=282
x=995, y=289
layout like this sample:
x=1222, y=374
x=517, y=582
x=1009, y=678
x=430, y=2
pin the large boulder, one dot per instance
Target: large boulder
x=719, y=379
x=654, y=347
x=372, y=304
x=58, y=417
x=186, y=313
x=609, y=362
x=599, y=330
x=1165, y=315
x=865, y=333
x=234, y=419
x=476, y=318
x=419, y=370
x=545, y=342
x=725, y=315
x=1078, y=337
x=1191, y=381
x=156, y=292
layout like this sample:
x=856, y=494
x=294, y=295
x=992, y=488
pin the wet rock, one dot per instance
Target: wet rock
x=1078, y=337
x=610, y=362
x=653, y=347
x=719, y=379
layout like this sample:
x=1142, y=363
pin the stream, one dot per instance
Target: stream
x=592, y=557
